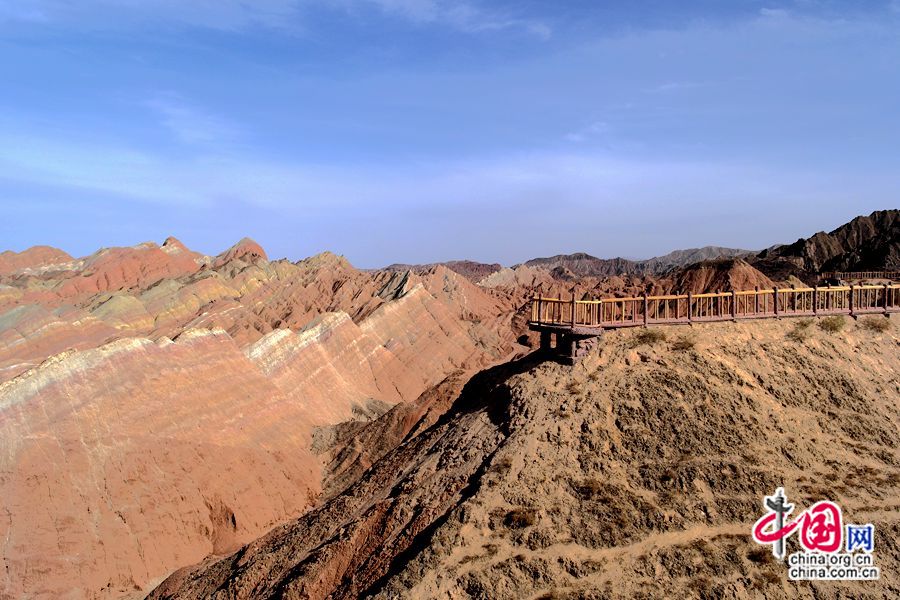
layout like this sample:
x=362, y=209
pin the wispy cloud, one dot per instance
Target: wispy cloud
x=461, y=15
x=594, y=129
x=190, y=124
x=224, y=15
x=241, y=15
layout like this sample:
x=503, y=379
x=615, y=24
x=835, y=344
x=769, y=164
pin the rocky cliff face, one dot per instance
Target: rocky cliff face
x=719, y=276
x=638, y=472
x=867, y=243
x=158, y=406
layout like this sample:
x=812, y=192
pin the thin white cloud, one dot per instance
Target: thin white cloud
x=207, y=180
x=224, y=15
x=241, y=15
x=594, y=129
x=467, y=17
x=190, y=124
x=774, y=13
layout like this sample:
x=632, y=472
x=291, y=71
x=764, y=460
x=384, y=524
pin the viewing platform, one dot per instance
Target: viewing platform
x=574, y=321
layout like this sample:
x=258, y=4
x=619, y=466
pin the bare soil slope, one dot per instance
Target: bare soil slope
x=637, y=473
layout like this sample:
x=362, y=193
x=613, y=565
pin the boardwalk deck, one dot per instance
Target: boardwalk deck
x=574, y=320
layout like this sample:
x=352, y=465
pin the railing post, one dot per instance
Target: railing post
x=733, y=305
x=851, y=300
x=815, y=299
x=775, y=297
x=887, y=288
x=690, y=310
x=539, y=315
x=646, y=308
x=573, y=308
x=828, y=298
x=756, y=299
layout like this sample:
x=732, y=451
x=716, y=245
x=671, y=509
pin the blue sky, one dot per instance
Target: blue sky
x=425, y=130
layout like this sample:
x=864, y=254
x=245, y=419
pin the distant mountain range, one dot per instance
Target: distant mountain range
x=865, y=243
x=585, y=265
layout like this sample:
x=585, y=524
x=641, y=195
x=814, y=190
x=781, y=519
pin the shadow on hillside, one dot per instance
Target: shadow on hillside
x=487, y=389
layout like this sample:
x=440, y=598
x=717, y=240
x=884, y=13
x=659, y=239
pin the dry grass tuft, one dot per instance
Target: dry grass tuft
x=649, y=337
x=575, y=388
x=832, y=324
x=685, y=342
x=760, y=556
x=590, y=488
x=803, y=323
x=876, y=324
x=519, y=518
x=799, y=334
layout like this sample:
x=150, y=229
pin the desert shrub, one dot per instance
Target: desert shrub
x=877, y=324
x=766, y=578
x=574, y=388
x=685, y=342
x=760, y=556
x=832, y=324
x=518, y=518
x=590, y=488
x=803, y=323
x=799, y=334
x=501, y=465
x=649, y=337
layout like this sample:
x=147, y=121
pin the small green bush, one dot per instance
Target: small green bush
x=832, y=324
x=803, y=324
x=876, y=324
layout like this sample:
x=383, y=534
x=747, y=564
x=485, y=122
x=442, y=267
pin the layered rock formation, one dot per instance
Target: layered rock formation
x=159, y=406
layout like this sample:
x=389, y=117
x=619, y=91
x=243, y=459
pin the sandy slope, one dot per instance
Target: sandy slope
x=637, y=473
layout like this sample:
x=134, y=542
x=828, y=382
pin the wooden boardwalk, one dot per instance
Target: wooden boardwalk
x=861, y=275
x=574, y=320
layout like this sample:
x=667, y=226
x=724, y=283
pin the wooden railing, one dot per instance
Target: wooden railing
x=859, y=275
x=610, y=313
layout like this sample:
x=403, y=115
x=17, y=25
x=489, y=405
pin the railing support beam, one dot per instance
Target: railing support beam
x=646, y=309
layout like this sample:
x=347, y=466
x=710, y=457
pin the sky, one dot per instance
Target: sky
x=426, y=130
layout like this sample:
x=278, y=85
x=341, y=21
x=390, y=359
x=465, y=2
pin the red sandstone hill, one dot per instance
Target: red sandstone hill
x=157, y=405
x=719, y=276
x=32, y=258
